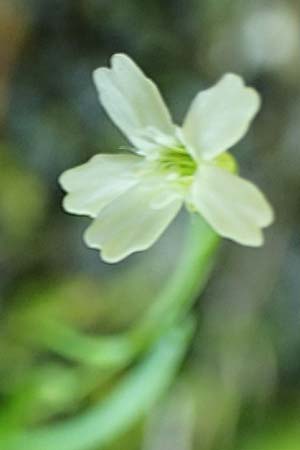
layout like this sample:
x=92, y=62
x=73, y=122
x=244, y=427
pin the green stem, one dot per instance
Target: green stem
x=189, y=278
x=172, y=304
x=104, y=352
x=158, y=330
x=129, y=401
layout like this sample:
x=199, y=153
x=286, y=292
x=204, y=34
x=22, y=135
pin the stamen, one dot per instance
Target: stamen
x=177, y=160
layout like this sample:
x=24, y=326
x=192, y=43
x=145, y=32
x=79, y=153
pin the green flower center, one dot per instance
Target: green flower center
x=179, y=162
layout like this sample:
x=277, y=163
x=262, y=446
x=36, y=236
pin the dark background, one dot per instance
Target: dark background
x=239, y=386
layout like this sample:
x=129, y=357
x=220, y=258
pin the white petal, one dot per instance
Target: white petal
x=219, y=117
x=129, y=224
x=133, y=102
x=96, y=183
x=234, y=207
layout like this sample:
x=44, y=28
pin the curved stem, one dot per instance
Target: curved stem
x=163, y=332
x=175, y=299
x=190, y=276
x=130, y=400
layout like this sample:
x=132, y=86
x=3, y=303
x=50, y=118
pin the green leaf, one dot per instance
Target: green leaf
x=129, y=401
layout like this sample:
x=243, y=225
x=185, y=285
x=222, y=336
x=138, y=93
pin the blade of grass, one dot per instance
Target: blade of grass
x=127, y=403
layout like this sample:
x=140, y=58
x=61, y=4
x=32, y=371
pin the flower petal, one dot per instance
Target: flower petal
x=234, y=207
x=133, y=102
x=129, y=224
x=96, y=183
x=219, y=117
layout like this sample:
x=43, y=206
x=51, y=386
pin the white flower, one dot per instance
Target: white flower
x=134, y=197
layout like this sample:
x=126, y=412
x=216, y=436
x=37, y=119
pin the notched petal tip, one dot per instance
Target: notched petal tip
x=66, y=206
x=255, y=239
x=110, y=260
x=219, y=117
x=121, y=58
x=91, y=243
x=267, y=214
x=234, y=207
x=116, y=61
x=132, y=101
x=89, y=240
x=61, y=182
x=271, y=214
x=114, y=259
x=101, y=76
x=255, y=99
x=129, y=224
x=239, y=83
x=231, y=77
x=65, y=179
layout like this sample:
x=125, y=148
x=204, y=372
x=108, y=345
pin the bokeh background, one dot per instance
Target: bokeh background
x=239, y=385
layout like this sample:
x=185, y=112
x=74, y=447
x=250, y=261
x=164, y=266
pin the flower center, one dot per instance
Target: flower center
x=178, y=162
x=178, y=167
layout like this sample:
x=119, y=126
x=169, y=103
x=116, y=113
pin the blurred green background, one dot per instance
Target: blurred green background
x=239, y=385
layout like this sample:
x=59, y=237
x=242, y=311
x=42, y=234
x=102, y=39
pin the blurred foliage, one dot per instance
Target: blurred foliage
x=75, y=332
